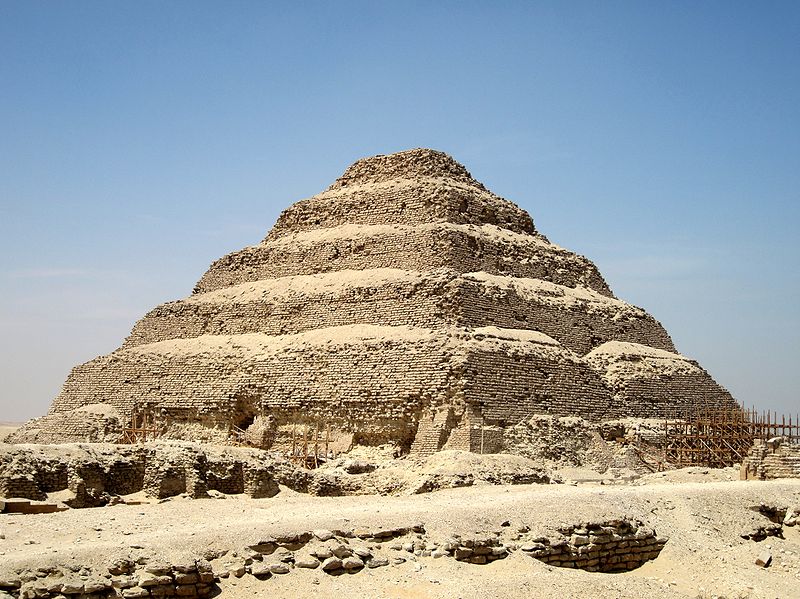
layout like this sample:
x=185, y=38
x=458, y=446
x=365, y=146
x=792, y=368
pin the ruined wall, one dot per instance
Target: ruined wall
x=513, y=385
x=614, y=546
x=370, y=384
x=91, y=424
x=776, y=458
x=652, y=383
x=95, y=474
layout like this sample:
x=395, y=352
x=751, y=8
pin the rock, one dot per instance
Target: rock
x=186, y=590
x=236, y=569
x=342, y=551
x=72, y=587
x=323, y=535
x=135, y=593
x=185, y=568
x=352, y=563
x=377, y=562
x=123, y=582
x=284, y=555
x=499, y=552
x=9, y=582
x=187, y=578
x=307, y=562
x=120, y=566
x=322, y=553
x=764, y=559
x=148, y=579
x=158, y=567
x=578, y=540
x=331, y=564
x=462, y=553
x=280, y=568
x=362, y=552
x=438, y=553
x=96, y=584
x=260, y=570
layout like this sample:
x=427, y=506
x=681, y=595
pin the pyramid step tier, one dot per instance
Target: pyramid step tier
x=646, y=381
x=579, y=318
x=403, y=202
x=462, y=248
x=376, y=379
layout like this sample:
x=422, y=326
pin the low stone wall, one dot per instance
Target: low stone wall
x=123, y=578
x=775, y=458
x=613, y=546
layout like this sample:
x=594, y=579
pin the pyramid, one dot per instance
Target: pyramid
x=405, y=304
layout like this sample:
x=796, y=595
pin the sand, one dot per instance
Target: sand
x=704, y=557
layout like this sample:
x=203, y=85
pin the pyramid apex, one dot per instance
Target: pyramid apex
x=408, y=164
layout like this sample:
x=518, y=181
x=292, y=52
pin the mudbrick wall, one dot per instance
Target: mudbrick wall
x=607, y=546
x=775, y=458
x=404, y=289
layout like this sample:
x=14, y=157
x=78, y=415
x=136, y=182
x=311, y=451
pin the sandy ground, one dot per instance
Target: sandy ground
x=704, y=557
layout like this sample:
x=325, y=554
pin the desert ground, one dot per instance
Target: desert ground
x=703, y=514
x=6, y=428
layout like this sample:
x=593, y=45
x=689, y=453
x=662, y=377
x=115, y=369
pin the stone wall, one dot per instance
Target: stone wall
x=776, y=458
x=607, y=546
x=615, y=546
x=647, y=382
x=580, y=319
x=463, y=248
x=402, y=202
x=96, y=474
x=123, y=577
x=371, y=381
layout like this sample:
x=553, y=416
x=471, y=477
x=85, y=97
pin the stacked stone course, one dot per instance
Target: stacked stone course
x=404, y=304
x=775, y=458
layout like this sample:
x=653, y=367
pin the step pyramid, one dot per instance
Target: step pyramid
x=405, y=304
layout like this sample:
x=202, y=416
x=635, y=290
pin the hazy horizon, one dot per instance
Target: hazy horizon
x=140, y=142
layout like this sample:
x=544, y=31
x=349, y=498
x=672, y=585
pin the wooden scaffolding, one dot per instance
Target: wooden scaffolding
x=144, y=427
x=720, y=438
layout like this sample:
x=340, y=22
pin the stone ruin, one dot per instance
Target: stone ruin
x=405, y=304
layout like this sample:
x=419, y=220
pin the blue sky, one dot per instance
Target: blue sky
x=140, y=141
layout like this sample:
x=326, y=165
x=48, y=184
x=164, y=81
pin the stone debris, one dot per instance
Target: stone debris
x=764, y=559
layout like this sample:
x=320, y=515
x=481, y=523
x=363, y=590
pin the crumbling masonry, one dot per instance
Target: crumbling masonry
x=405, y=304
